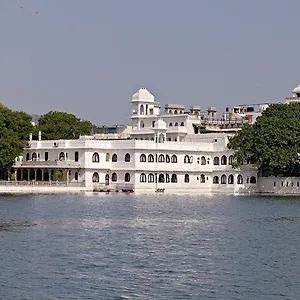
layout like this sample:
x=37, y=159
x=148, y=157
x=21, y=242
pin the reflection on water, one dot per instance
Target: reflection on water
x=142, y=247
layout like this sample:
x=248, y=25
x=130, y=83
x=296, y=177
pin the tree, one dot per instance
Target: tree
x=57, y=125
x=15, y=128
x=272, y=143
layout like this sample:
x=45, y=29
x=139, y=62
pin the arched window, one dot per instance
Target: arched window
x=216, y=160
x=143, y=178
x=114, y=177
x=167, y=158
x=107, y=179
x=170, y=125
x=230, y=160
x=203, y=160
x=150, y=158
x=175, y=112
x=127, y=157
x=176, y=124
x=186, y=178
x=34, y=156
x=76, y=176
x=230, y=179
x=27, y=157
x=202, y=178
x=161, y=138
x=224, y=160
x=95, y=158
x=61, y=156
x=174, y=178
x=161, y=178
x=167, y=178
x=114, y=157
x=186, y=159
x=240, y=179
x=181, y=124
x=150, y=177
x=216, y=180
x=174, y=159
x=252, y=179
x=142, y=109
x=161, y=158
x=127, y=177
x=143, y=158
x=95, y=177
x=107, y=157
x=223, y=179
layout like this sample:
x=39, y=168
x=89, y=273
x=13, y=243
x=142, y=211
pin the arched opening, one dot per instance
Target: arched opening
x=61, y=156
x=187, y=159
x=39, y=175
x=174, y=178
x=230, y=179
x=114, y=177
x=114, y=157
x=161, y=158
x=203, y=160
x=167, y=158
x=202, y=178
x=150, y=158
x=127, y=157
x=143, y=158
x=95, y=158
x=95, y=177
x=224, y=160
x=181, y=124
x=186, y=178
x=127, y=177
x=176, y=124
x=150, y=177
x=223, y=179
x=161, y=178
x=170, y=125
x=161, y=138
x=106, y=179
x=240, y=179
x=167, y=178
x=252, y=179
x=142, y=110
x=174, y=159
x=216, y=180
x=27, y=157
x=143, y=178
x=230, y=160
x=31, y=174
x=175, y=112
x=34, y=156
x=216, y=160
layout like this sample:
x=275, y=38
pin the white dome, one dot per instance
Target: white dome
x=143, y=94
x=296, y=90
x=160, y=124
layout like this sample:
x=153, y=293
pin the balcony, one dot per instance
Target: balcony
x=47, y=164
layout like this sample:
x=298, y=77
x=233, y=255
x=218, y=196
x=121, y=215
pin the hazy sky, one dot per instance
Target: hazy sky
x=88, y=57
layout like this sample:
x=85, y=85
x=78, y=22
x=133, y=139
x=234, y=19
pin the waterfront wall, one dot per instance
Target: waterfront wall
x=279, y=185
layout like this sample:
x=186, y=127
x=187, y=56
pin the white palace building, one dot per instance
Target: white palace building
x=170, y=151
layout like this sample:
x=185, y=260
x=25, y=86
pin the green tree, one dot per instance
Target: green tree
x=57, y=125
x=272, y=143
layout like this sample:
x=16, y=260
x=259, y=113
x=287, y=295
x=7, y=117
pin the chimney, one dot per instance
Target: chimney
x=40, y=135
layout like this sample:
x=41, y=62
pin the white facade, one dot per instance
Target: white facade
x=165, y=152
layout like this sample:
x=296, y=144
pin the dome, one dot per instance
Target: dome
x=160, y=124
x=296, y=90
x=143, y=94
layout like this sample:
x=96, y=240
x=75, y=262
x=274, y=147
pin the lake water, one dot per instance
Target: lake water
x=149, y=247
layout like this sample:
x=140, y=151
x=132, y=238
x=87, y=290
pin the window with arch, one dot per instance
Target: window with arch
x=107, y=157
x=127, y=177
x=176, y=124
x=202, y=178
x=61, y=156
x=114, y=157
x=127, y=157
x=170, y=125
x=223, y=179
x=203, y=160
x=223, y=160
x=174, y=178
x=216, y=160
x=174, y=159
x=175, y=112
x=252, y=179
x=230, y=179
x=27, y=156
x=230, y=160
x=182, y=124
x=150, y=158
x=186, y=178
x=34, y=156
x=95, y=177
x=143, y=177
x=142, y=110
x=161, y=138
x=167, y=158
x=114, y=177
x=216, y=180
x=143, y=158
x=240, y=179
x=106, y=179
x=95, y=158
x=150, y=177
x=161, y=178
x=187, y=159
x=167, y=178
x=161, y=158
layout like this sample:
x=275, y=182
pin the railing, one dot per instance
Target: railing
x=39, y=183
x=48, y=163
